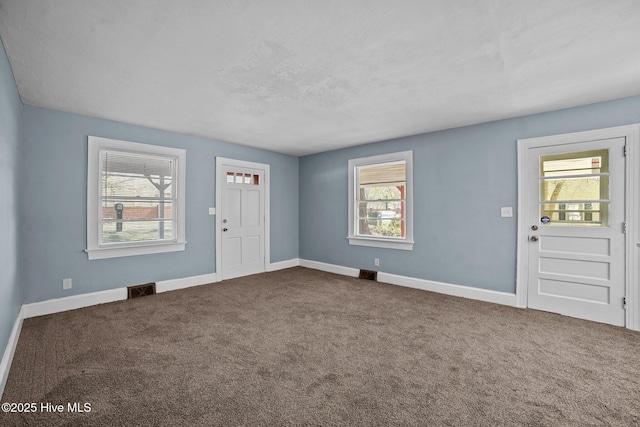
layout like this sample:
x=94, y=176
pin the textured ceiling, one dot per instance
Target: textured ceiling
x=301, y=77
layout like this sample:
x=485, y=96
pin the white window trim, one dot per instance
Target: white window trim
x=405, y=243
x=94, y=250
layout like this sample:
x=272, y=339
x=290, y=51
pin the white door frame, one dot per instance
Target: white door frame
x=632, y=238
x=267, y=211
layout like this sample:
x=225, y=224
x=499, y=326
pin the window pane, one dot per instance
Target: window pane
x=136, y=231
x=230, y=177
x=136, y=175
x=586, y=162
x=380, y=209
x=381, y=219
x=382, y=227
x=568, y=194
x=136, y=197
x=574, y=213
x=134, y=210
x=382, y=192
x=136, y=186
x=591, y=188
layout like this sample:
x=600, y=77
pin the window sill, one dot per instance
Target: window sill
x=116, y=252
x=404, y=245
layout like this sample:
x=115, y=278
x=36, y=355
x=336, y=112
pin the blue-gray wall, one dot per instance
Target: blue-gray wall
x=461, y=179
x=10, y=128
x=53, y=181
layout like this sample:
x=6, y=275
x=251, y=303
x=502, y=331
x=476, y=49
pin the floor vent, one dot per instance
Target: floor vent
x=368, y=275
x=141, y=290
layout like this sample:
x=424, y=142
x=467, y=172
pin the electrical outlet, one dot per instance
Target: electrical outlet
x=506, y=212
x=376, y=262
x=67, y=284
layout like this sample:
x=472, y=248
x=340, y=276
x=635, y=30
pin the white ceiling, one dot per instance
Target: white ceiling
x=300, y=77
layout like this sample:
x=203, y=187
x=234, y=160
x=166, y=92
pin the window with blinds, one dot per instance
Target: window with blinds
x=380, y=201
x=135, y=198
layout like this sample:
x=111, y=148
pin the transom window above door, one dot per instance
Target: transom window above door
x=243, y=178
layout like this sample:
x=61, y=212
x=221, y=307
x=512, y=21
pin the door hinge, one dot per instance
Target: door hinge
x=624, y=227
x=624, y=302
x=624, y=151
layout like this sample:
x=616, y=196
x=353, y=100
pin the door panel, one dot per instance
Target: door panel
x=233, y=208
x=252, y=254
x=579, y=268
x=252, y=211
x=232, y=247
x=574, y=291
x=576, y=239
x=577, y=245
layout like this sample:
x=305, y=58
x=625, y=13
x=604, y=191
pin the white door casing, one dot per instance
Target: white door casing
x=242, y=219
x=578, y=270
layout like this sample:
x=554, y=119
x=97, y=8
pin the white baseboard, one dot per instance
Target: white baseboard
x=185, y=282
x=331, y=268
x=73, y=302
x=496, y=297
x=486, y=295
x=275, y=266
x=7, y=358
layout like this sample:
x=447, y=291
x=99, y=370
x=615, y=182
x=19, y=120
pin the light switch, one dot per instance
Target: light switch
x=212, y=211
x=506, y=212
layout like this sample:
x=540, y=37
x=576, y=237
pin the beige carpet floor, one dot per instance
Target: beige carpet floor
x=303, y=347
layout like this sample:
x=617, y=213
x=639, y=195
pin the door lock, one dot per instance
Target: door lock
x=224, y=229
x=534, y=227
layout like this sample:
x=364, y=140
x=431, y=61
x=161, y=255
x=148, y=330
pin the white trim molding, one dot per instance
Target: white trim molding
x=631, y=133
x=275, y=266
x=73, y=302
x=186, y=282
x=486, y=295
x=7, y=358
x=330, y=268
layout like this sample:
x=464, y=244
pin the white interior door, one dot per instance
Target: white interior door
x=242, y=220
x=576, y=225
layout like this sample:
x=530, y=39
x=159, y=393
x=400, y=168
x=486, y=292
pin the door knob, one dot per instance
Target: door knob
x=534, y=238
x=534, y=227
x=224, y=229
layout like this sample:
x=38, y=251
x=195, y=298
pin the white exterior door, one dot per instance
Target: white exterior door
x=575, y=219
x=241, y=220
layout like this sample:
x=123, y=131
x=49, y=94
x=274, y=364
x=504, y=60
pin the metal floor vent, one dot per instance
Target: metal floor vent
x=141, y=290
x=368, y=275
